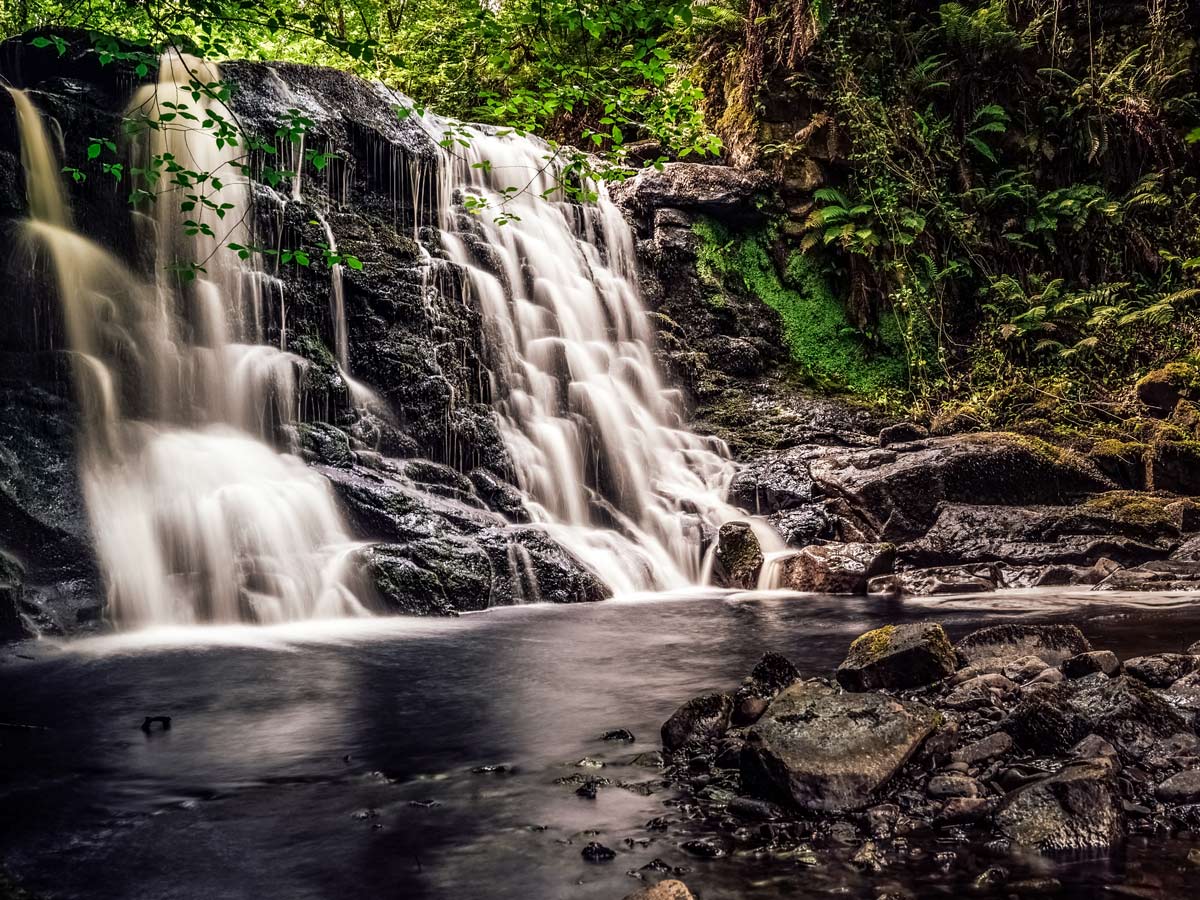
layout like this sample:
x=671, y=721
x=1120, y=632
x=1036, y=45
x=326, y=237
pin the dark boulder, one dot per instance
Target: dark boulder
x=719, y=191
x=902, y=433
x=1121, y=710
x=773, y=482
x=771, y=675
x=897, y=657
x=698, y=723
x=1104, y=662
x=824, y=750
x=896, y=496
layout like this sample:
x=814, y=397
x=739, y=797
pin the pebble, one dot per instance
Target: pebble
x=596, y=853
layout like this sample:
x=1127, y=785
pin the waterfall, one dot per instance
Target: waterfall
x=196, y=516
x=597, y=439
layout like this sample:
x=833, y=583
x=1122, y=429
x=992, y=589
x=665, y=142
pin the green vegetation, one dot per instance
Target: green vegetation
x=820, y=338
x=992, y=206
x=1014, y=182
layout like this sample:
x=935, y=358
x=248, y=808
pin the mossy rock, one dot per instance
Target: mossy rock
x=1162, y=389
x=897, y=657
x=1144, y=510
x=1174, y=466
x=1121, y=461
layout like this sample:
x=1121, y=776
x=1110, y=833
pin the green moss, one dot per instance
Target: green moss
x=820, y=338
x=1134, y=507
x=872, y=645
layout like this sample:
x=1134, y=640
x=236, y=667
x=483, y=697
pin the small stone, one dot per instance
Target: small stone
x=619, y=734
x=588, y=763
x=757, y=810
x=991, y=747
x=1181, y=788
x=1084, y=664
x=983, y=690
x=704, y=848
x=868, y=858
x=963, y=810
x=945, y=786
x=1023, y=668
x=597, y=853
x=1094, y=747
x=650, y=760
x=671, y=889
x=1193, y=856
x=881, y=819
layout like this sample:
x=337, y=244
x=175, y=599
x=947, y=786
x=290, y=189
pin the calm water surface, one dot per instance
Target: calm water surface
x=334, y=759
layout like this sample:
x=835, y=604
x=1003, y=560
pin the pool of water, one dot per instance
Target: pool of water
x=335, y=759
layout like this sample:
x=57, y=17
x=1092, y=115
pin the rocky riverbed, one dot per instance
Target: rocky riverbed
x=1021, y=740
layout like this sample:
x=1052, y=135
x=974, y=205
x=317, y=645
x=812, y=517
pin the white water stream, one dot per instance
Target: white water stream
x=198, y=518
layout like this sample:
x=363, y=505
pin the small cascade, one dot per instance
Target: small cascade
x=337, y=302
x=196, y=516
x=597, y=440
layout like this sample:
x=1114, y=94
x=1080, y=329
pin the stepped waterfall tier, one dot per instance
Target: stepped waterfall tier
x=194, y=404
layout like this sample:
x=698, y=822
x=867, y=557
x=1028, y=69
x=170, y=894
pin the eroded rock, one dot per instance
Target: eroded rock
x=835, y=568
x=1075, y=809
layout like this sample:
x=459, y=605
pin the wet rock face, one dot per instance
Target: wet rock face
x=823, y=750
x=772, y=674
x=1161, y=670
x=1075, y=809
x=897, y=657
x=836, y=568
x=718, y=191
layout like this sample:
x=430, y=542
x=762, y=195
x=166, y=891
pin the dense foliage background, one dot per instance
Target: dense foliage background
x=990, y=209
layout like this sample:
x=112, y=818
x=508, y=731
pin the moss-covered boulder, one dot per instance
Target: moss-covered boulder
x=1173, y=466
x=1162, y=389
x=897, y=657
x=1121, y=461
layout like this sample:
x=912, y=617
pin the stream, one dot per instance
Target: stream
x=334, y=758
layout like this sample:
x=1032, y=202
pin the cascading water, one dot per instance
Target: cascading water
x=597, y=441
x=196, y=517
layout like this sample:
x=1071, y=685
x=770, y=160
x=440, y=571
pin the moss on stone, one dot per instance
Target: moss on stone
x=871, y=646
x=1134, y=507
x=821, y=340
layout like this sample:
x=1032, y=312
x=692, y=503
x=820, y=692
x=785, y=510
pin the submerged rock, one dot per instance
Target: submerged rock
x=937, y=580
x=1076, y=809
x=897, y=657
x=824, y=750
x=835, y=568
